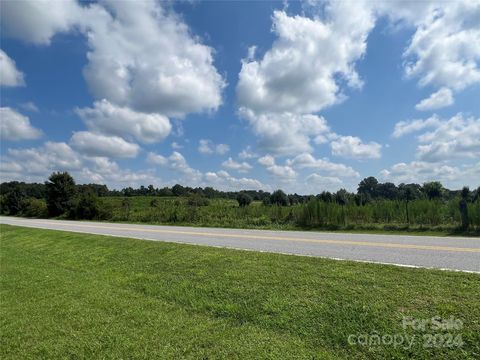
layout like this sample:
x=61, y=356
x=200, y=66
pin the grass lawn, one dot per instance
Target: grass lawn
x=67, y=295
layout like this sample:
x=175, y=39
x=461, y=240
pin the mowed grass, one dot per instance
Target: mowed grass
x=67, y=295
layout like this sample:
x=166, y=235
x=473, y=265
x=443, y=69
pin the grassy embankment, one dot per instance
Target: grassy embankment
x=66, y=295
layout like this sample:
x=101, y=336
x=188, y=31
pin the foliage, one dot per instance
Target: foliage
x=278, y=197
x=375, y=206
x=60, y=191
x=35, y=208
x=197, y=200
x=244, y=199
x=86, y=206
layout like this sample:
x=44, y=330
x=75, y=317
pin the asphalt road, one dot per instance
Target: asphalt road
x=453, y=253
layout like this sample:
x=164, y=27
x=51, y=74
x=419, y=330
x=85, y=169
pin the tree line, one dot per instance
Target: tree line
x=61, y=196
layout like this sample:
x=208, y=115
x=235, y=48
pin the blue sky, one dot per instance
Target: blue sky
x=303, y=96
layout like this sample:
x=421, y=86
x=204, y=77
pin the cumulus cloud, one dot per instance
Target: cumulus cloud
x=41, y=161
x=456, y=138
x=93, y=144
x=282, y=173
x=353, y=147
x=408, y=126
x=37, y=21
x=111, y=119
x=247, y=153
x=156, y=67
x=9, y=74
x=445, y=49
x=36, y=164
x=298, y=74
x=156, y=159
x=285, y=133
x=441, y=98
x=15, y=126
x=307, y=161
x=420, y=171
x=189, y=176
x=206, y=146
x=154, y=63
x=224, y=181
x=318, y=183
x=238, y=166
x=301, y=74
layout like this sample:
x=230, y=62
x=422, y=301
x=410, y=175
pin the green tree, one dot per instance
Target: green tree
x=278, y=197
x=60, y=192
x=368, y=187
x=244, y=199
x=433, y=190
x=14, y=202
x=463, y=206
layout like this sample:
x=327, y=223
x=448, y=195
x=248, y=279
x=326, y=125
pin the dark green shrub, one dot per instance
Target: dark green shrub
x=244, y=199
x=35, y=208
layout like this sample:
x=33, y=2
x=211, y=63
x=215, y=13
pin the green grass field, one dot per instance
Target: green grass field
x=67, y=295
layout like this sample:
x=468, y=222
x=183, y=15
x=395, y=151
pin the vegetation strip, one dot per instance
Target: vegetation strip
x=380, y=207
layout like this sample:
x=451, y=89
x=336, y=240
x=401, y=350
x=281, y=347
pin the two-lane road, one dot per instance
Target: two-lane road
x=455, y=253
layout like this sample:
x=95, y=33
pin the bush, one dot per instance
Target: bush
x=244, y=199
x=86, y=207
x=197, y=200
x=35, y=208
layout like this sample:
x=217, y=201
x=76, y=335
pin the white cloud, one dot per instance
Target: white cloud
x=420, y=171
x=51, y=156
x=156, y=67
x=189, y=176
x=92, y=144
x=437, y=100
x=282, y=173
x=317, y=183
x=206, y=146
x=298, y=74
x=307, y=161
x=153, y=62
x=247, y=153
x=30, y=106
x=456, y=138
x=37, y=21
x=445, y=49
x=156, y=159
x=110, y=119
x=36, y=164
x=15, y=126
x=178, y=163
x=9, y=75
x=105, y=171
x=409, y=126
x=301, y=74
x=353, y=147
x=222, y=180
x=238, y=166
x=285, y=133
x=176, y=146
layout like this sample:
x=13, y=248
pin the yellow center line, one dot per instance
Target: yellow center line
x=274, y=238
